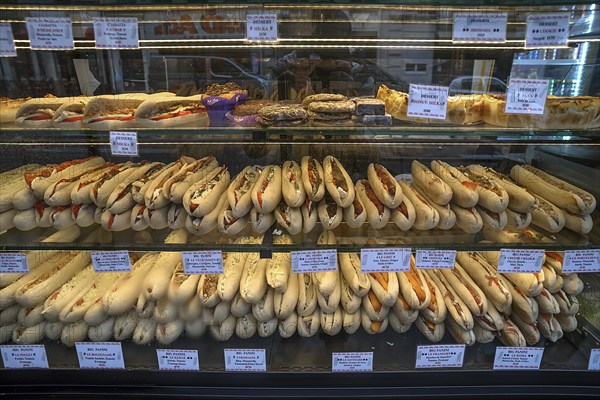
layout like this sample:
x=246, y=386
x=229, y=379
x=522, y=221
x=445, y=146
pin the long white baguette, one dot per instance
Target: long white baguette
x=176, y=186
x=350, y=268
x=76, y=309
x=182, y=286
x=39, y=289
x=229, y=282
x=55, y=303
x=123, y=295
x=31, y=335
x=329, y=303
x=29, y=317
x=279, y=270
x=264, y=309
x=40, y=180
x=144, y=331
x=169, y=332
x=326, y=282
x=284, y=303
x=102, y=332
x=125, y=325
x=253, y=283
x=287, y=327
x=12, y=182
x=156, y=283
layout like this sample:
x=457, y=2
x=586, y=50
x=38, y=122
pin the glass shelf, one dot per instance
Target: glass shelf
x=350, y=240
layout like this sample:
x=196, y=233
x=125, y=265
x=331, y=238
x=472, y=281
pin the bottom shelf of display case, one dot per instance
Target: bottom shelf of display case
x=301, y=368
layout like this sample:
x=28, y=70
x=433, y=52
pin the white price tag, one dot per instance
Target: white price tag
x=518, y=357
x=429, y=259
x=100, y=355
x=425, y=101
x=581, y=261
x=526, y=96
x=116, y=33
x=24, y=356
x=314, y=261
x=547, y=30
x=111, y=261
x=440, y=356
x=177, y=360
x=249, y=360
x=123, y=143
x=384, y=260
x=7, y=41
x=202, y=262
x=13, y=263
x=352, y=362
x=261, y=27
x=480, y=27
x=594, y=364
x=520, y=260
x=50, y=33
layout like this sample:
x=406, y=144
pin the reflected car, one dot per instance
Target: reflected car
x=464, y=85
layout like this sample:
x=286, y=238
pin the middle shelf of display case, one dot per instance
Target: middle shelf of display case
x=349, y=240
x=307, y=134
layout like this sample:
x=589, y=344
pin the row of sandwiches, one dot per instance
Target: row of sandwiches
x=160, y=110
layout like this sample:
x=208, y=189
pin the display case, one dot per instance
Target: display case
x=239, y=200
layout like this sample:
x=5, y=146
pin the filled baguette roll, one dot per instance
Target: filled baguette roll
x=223, y=331
x=292, y=187
x=547, y=304
x=288, y=326
x=349, y=300
x=487, y=278
x=329, y=303
x=137, y=220
x=404, y=215
x=459, y=334
x=261, y=222
x=385, y=286
x=239, y=191
x=31, y=335
x=492, y=195
x=104, y=186
x=355, y=214
x=433, y=332
x=171, y=111
x=284, y=303
x=31, y=316
x=23, y=220
x=338, y=182
x=483, y=335
x=568, y=323
x=373, y=327
x=202, y=225
x=253, y=283
x=426, y=217
x=309, y=325
x=246, y=326
x=572, y=285
x=330, y=213
x=402, y=310
x=492, y=320
x=511, y=335
x=492, y=220
x=125, y=325
x=141, y=186
x=413, y=287
x=331, y=323
x=351, y=321
x=547, y=216
x=176, y=216
x=454, y=304
x=307, y=295
x=464, y=191
x=202, y=197
x=83, y=214
x=81, y=192
x=437, y=190
x=22, y=199
x=549, y=327
x=177, y=185
x=80, y=304
x=116, y=222
x=579, y=224
x=264, y=310
x=54, y=304
x=121, y=198
x=397, y=325
x=520, y=200
x=144, y=331
x=156, y=282
x=59, y=192
x=289, y=218
x=266, y=192
x=467, y=289
x=467, y=219
x=168, y=332
x=267, y=328
x=436, y=309
x=378, y=215
x=530, y=331
x=384, y=185
x=280, y=269
x=73, y=333
x=229, y=281
x=309, y=215
x=313, y=178
x=569, y=305
x=550, y=282
x=240, y=307
x=447, y=216
x=522, y=305
x=229, y=224
x=38, y=113
x=207, y=290
x=111, y=112
x=350, y=268
x=563, y=194
x=182, y=286
x=516, y=220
